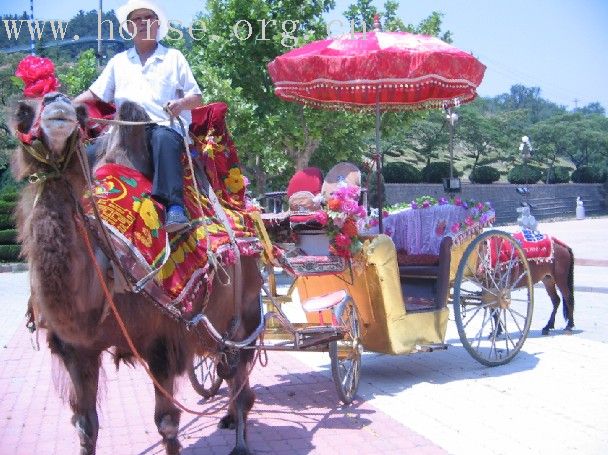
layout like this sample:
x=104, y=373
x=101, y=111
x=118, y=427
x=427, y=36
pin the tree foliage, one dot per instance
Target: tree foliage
x=78, y=78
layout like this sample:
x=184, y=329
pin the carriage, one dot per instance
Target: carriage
x=394, y=296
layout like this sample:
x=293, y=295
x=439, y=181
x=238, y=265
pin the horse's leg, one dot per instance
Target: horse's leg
x=549, y=283
x=566, y=287
x=166, y=414
x=82, y=366
x=568, y=298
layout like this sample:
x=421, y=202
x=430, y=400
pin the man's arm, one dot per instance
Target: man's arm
x=86, y=96
x=186, y=103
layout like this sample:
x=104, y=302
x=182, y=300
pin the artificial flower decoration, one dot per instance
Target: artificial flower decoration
x=38, y=76
x=477, y=212
x=345, y=218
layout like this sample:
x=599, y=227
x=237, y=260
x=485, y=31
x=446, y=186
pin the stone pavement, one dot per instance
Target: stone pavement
x=297, y=411
x=552, y=398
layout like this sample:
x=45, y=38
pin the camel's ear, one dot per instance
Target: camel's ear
x=24, y=117
x=82, y=115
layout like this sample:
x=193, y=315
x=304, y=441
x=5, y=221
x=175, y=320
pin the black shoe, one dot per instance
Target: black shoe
x=176, y=219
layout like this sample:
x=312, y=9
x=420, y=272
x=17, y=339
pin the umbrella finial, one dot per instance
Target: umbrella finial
x=377, y=25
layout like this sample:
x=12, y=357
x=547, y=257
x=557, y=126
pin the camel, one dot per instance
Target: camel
x=69, y=295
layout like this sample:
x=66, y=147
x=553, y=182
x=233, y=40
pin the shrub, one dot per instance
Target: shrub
x=557, y=174
x=435, y=172
x=524, y=174
x=484, y=174
x=7, y=206
x=588, y=174
x=9, y=196
x=8, y=236
x=6, y=221
x=401, y=173
x=10, y=253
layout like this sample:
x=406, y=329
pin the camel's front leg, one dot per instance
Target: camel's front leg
x=166, y=414
x=83, y=368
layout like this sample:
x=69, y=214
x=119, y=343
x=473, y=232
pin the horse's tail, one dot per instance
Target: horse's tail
x=568, y=307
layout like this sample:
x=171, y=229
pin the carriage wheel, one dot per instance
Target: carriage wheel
x=203, y=376
x=493, y=298
x=345, y=354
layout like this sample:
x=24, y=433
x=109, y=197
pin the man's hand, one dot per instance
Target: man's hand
x=174, y=107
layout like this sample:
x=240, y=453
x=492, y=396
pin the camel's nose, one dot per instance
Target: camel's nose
x=52, y=97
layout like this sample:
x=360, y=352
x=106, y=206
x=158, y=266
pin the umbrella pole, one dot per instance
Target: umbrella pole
x=379, y=164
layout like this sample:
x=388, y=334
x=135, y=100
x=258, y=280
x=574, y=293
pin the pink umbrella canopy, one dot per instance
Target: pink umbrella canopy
x=395, y=70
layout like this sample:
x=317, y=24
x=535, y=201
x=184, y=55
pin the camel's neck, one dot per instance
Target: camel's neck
x=61, y=270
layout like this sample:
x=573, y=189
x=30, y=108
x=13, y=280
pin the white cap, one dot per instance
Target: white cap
x=122, y=12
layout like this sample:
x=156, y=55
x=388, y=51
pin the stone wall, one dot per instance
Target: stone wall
x=547, y=201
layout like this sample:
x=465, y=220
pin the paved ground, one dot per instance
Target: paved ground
x=551, y=399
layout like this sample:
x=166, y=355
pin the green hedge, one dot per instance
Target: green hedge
x=6, y=221
x=7, y=206
x=557, y=174
x=484, y=174
x=10, y=253
x=524, y=174
x=9, y=196
x=401, y=173
x=437, y=171
x=8, y=236
x=588, y=174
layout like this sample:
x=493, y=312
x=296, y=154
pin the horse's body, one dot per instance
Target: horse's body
x=70, y=298
x=557, y=274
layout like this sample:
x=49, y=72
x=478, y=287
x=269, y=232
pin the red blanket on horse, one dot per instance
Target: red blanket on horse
x=537, y=247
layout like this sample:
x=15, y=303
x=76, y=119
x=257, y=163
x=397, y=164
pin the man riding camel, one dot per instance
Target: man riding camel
x=161, y=81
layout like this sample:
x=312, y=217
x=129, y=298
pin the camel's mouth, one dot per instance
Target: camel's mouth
x=59, y=119
x=58, y=116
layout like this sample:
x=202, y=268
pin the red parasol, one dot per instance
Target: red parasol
x=396, y=70
x=377, y=70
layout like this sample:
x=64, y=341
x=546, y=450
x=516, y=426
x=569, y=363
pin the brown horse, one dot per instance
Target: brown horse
x=559, y=273
x=69, y=296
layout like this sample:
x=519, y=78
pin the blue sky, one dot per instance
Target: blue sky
x=560, y=46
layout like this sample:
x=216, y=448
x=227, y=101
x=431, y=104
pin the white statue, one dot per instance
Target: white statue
x=526, y=220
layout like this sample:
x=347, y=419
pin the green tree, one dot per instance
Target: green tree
x=10, y=90
x=78, y=78
x=274, y=137
x=580, y=138
x=427, y=137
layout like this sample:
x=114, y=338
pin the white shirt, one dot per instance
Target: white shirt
x=165, y=76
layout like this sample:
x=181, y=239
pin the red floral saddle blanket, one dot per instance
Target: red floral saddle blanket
x=176, y=265
x=537, y=247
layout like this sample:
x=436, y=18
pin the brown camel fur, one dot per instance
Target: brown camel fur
x=70, y=297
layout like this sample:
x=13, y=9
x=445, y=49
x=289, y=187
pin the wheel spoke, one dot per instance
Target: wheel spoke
x=491, y=282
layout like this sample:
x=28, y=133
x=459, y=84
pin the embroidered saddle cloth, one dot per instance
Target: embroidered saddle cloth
x=537, y=247
x=176, y=264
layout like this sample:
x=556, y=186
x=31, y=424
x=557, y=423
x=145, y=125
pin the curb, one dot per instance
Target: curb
x=13, y=267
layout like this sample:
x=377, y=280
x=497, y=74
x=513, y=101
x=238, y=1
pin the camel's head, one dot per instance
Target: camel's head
x=52, y=121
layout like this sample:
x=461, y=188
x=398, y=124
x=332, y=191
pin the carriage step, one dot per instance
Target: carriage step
x=431, y=347
x=308, y=337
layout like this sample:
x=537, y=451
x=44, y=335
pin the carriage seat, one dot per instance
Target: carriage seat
x=426, y=276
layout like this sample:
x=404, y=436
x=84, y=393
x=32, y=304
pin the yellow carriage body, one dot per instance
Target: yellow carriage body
x=374, y=284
